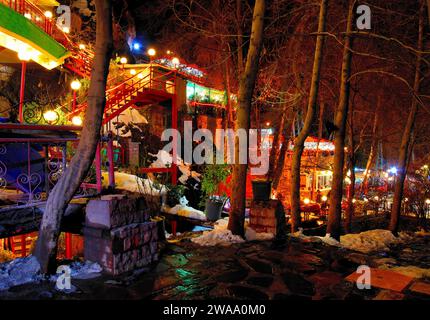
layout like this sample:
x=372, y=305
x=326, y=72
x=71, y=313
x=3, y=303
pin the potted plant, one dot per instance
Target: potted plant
x=212, y=176
x=174, y=194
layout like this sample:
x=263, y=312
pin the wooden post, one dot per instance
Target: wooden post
x=23, y=246
x=68, y=245
x=111, y=162
x=175, y=138
x=99, y=169
x=22, y=92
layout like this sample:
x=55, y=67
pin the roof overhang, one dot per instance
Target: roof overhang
x=18, y=34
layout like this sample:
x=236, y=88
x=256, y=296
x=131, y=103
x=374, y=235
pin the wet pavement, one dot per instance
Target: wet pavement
x=254, y=270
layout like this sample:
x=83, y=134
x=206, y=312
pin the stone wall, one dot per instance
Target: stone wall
x=118, y=234
x=267, y=216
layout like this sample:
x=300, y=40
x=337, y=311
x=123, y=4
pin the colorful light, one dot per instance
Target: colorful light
x=24, y=55
x=48, y=14
x=75, y=85
x=152, y=52
x=123, y=60
x=66, y=29
x=136, y=46
x=133, y=72
x=175, y=62
x=77, y=121
x=393, y=170
x=50, y=116
x=324, y=198
x=306, y=201
x=82, y=46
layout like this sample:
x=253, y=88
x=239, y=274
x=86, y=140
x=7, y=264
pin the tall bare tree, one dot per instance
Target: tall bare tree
x=408, y=132
x=335, y=212
x=64, y=190
x=373, y=146
x=299, y=142
x=246, y=89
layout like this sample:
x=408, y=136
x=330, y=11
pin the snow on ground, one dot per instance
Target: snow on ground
x=85, y=270
x=27, y=270
x=18, y=272
x=220, y=235
x=133, y=183
x=372, y=240
x=184, y=211
x=365, y=242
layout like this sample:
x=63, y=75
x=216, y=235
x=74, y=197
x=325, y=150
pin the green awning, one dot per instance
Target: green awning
x=15, y=25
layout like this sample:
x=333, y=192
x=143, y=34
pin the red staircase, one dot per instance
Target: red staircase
x=149, y=86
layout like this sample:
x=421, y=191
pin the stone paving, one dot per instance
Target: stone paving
x=254, y=270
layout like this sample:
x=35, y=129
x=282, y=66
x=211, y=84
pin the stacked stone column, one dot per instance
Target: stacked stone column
x=118, y=234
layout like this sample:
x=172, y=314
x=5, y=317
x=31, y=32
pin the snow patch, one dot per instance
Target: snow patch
x=365, y=242
x=184, y=211
x=19, y=271
x=134, y=184
x=370, y=241
x=220, y=235
x=85, y=270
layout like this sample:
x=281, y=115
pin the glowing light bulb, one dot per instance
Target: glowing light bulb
x=152, y=52
x=48, y=14
x=306, y=201
x=77, y=121
x=140, y=76
x=324, y=198
x=175, y=61
x=82, y=46
x=50, y=116
x=66, y=29
x=75, y=85
x=123, y=60
x=24, y=55
x=133, y=72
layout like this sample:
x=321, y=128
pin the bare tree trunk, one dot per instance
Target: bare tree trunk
x=428, y=10
x=64, y=190
x=246, y=89
x=335, y=212
x=373, y=147
x=239, y=38
x=351, y=191
x=279, y=134
x=311, y=110
x=282, y=153
x=407, y=135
